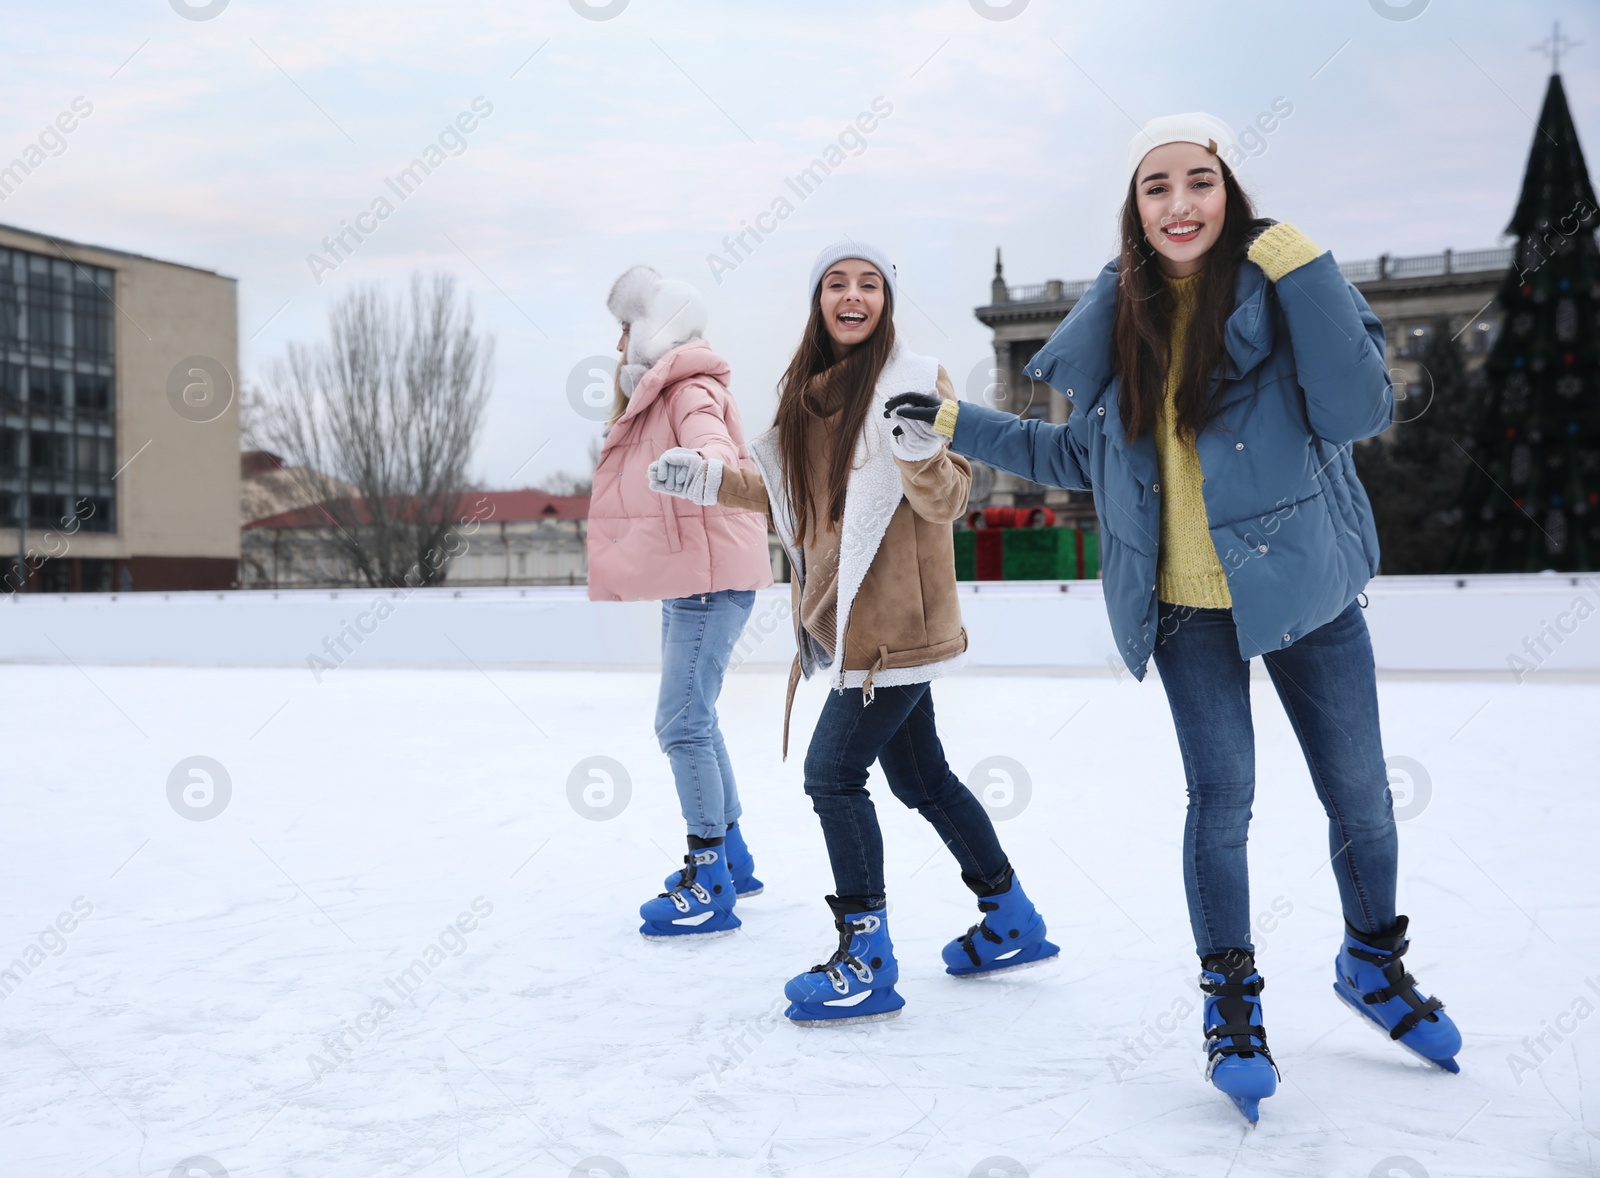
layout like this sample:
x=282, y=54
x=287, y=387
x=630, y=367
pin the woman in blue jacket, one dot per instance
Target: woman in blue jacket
x=1219, y=372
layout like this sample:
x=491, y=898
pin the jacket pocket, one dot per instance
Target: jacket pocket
x=669, y=515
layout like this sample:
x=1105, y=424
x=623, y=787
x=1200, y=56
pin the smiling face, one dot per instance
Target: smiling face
x=851, y=301
x=1181, y=204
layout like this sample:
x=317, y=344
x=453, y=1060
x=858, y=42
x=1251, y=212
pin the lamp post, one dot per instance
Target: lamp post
x=24, y=454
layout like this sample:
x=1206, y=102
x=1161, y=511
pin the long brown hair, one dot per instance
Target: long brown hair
x=815, y=388
x=1144, y=319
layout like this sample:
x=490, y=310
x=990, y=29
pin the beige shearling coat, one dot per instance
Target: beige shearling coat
x=898, y=613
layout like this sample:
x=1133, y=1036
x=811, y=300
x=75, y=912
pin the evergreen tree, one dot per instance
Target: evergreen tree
x=1413, y=473
x=1531, y=499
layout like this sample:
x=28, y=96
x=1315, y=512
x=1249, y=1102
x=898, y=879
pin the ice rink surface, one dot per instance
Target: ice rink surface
x=403, y=943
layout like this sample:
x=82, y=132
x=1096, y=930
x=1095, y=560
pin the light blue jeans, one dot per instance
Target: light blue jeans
x=697, y=639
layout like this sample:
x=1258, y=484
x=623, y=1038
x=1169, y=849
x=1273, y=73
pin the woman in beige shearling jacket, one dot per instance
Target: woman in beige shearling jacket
x=863, y=507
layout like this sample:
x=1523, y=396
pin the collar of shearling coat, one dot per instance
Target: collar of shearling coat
x=870, y=499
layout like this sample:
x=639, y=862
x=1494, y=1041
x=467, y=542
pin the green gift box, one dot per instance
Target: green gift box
x=966, y=554
x=1040, y=554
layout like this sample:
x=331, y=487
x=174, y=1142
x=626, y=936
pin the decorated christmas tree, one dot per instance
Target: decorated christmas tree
x=1413, y=475
x=1531, y=500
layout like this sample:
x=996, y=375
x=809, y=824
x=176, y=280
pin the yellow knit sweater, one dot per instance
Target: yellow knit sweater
x=1187, y=569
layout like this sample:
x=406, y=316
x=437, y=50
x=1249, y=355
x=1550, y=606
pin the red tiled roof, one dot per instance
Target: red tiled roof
x=526, y=504
x=507, y=506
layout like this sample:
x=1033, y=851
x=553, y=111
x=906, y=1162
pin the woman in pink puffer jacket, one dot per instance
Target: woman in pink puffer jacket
x=702, y=563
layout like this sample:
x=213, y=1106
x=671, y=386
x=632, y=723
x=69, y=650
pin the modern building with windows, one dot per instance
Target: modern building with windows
x=119, y=422
x=1413, y=296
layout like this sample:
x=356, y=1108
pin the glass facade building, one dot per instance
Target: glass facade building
x=109, y=480
x=57, y=395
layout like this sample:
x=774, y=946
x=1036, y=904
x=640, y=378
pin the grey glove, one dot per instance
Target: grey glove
x=685, y=474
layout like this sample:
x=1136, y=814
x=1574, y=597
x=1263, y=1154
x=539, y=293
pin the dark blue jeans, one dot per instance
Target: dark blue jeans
x=1329, y=690
x=897, y=730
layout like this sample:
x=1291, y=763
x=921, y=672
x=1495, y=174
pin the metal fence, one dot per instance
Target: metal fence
x=1367, y=270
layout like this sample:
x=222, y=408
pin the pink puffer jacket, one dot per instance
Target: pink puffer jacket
x=649, y=547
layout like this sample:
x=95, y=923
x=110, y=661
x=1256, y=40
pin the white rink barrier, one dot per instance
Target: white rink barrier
x=1518, y=626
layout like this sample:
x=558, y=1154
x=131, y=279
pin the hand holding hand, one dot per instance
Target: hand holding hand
x=913, y=437
x=913, y=406
x=685, y=474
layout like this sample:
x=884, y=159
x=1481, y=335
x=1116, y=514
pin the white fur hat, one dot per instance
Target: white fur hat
x=659, y=313
x=1204, y=130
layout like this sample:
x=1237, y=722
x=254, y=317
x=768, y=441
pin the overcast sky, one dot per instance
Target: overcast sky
x=238, y=142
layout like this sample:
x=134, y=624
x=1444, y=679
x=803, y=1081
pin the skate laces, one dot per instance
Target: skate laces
x=842, y=956
x=687, y=882
x=1401, y=985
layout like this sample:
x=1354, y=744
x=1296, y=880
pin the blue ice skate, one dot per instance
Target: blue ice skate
x=1239, y=1063
x=856, y=984
x=741, y=864
x=1010, y=935
x=699, y=904
x=1368, y=977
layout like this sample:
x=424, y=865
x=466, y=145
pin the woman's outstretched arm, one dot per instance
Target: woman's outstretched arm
x=709, y=482
x=1037, y=450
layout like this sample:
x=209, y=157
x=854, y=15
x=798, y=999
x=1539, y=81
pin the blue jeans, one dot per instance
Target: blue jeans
x=697, y=638
x=1329, y=690
x=897, y=730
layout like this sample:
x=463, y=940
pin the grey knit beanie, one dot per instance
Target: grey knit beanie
x=840, y=250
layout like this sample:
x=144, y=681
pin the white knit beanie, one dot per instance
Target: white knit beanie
x=840, y=250
x=659, y=313
x=1204, y=130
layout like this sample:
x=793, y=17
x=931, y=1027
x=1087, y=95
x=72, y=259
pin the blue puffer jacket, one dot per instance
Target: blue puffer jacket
x=1304, y=379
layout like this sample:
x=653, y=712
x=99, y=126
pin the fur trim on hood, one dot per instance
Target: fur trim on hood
x=660, y=313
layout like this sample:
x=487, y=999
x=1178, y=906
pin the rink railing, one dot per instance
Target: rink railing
x=1523, y=627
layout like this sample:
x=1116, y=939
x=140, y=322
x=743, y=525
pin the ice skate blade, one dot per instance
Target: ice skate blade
x=1371, y=1020
x=1004, y=969
x=1249, y=1108
x=852, y=1021
x=751, y=892
x=658, y=938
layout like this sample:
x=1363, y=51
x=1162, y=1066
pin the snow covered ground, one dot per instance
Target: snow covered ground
x=228, y=982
